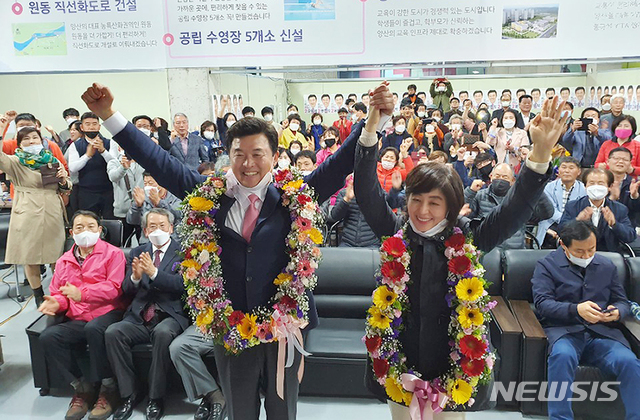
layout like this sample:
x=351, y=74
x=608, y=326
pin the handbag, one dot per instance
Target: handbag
x=49, y=172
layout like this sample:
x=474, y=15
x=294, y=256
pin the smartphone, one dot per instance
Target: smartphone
x=606, y=311
x=585, y=123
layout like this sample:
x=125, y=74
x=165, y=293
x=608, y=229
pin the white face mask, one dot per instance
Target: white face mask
x=86, y=239
x=442, y=225
x=148, y=189
x=400, y=129
x=69, y=120
x=268, y=117
x=456, y=126
x=294, y=151
x=441, y=88
x=595, y=121
x=209, y=135
x=34, y=149
x=508, y=124
x=580, y=262
x=145, y=131
x=283, y=163
x=354, y=117
x=597, y=192
x=387, y=164
x=506, y=103
x=305, y=173
x=294, y=126
x=159, y=237
x=317, y=121
x=606, y=107
x=421, y=114
x=292, y=112
x=230, y=123
x=430, y=129
x=437, y=119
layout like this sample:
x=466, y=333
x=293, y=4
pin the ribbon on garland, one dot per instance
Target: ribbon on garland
x=427, y=399
x=289, y=335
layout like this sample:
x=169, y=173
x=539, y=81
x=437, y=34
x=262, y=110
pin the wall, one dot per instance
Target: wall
x=47, y=95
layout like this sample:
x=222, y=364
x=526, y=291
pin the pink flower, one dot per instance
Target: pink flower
x=304, y=268
x=207, y=282
x=454, y=356
x=264, y=332
x=449, y=252
x=489, y=362
x=191, y=273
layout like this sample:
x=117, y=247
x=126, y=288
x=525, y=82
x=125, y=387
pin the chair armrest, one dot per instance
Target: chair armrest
x=631, y=331
x=503, y=317
x=530, y=325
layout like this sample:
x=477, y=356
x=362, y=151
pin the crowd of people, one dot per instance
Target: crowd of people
x=426, y=169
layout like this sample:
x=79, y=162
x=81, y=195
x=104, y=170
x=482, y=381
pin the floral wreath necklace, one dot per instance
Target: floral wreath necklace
x=471, y=362
x=207, y=300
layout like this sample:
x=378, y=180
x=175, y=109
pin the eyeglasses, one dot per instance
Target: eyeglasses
x=620, y=159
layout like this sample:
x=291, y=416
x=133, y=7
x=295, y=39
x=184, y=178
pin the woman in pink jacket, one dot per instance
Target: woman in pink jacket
x=506, y=138
x=85, y=290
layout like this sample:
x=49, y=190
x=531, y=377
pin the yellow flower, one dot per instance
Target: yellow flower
x=461, y=391
x=383, y=297
x=293, y=184
x=282, y=279
x=378, y=319
x=191, y=264
x=469, y=290
x=247, y=327
x=200, y=204
x=315, y=236
x=470, y=317
x=394, y=389
x=205, y=317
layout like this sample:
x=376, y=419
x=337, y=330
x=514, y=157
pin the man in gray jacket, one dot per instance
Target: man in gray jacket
x=125, y=174
x=187, y=147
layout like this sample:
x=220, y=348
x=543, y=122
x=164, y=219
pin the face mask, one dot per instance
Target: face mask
x=400, y=129
x=430, y=129
x=580, y=262
x=294, y=126
x=209, y=135
x=145, y=131
x=159, y=237
x=506, y=103
x=292, y=112
x=500, y=187
x=354, y=117
x=421, y=114
x=442, y=225
x=437, y=119
x=294, y=151
x=70, y=120
x=268, y=117
x=86, y=239
x=230, y=123
x=91, y=134
x=606, y=107
x=456, y=126
x=509, y=124
x=34, y=149
x=147, y=190
x=595, y=121
x=485, y=171
x=283, y=163
x=597, y=192
x=565, y=113
x=387, y=164
x=154, y=135
x=329, y=142
x=623, y=133
x=317, y=121
x=24, y=126
x=305, y=173
x=441, y=88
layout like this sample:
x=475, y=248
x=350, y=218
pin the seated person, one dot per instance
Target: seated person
x=610, y=218
x=624, y=189
x=579, y=321
x=153, y=196
x=85, y=292
x=306, y=162
x=484, y=201
x=155, y=315
x=565, y=188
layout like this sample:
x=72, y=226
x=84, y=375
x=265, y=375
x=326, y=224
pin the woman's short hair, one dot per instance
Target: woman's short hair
x=334, y=131
x=430, y=176
x=398, y=118
x=511, y=111
x=623, y=117
x=27, y=130
x=438, y=154
x=390, y=149
x=206, y=125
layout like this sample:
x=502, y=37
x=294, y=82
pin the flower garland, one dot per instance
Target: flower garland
x=207, y=300
x=471, y=361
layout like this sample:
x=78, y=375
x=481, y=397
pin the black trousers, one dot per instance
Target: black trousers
x=99, y=202
x=122, y=336
x=62, y=341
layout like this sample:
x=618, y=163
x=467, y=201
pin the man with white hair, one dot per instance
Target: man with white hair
x=187, y=147
x=617, y=106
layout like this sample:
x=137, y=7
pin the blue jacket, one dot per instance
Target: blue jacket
x=555, y=192
x=248, y=268
x=608, y=238
x=395, y=140
x=559, y=286
x=196, y=151
x=575, y=142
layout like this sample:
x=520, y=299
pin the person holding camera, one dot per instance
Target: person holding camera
x=584, y=138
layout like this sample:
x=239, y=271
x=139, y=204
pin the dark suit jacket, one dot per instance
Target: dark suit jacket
x=559, y=286
x=608, y=238
x=165, y=291
x=196, y=151
x=248, y=269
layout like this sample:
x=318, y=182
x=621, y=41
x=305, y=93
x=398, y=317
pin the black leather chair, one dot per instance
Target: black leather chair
x=112, y=232
x=4, y=233
x=518, y=267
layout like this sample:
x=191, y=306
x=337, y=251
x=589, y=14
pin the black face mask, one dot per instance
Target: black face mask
x=485, y=171
x=500, y=187
x=329, y=142
x=91, y=134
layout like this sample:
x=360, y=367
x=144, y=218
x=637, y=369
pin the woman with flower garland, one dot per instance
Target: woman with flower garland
x=427, y=330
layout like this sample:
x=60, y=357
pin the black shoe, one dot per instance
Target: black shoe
x=126, y=409
x=218, y=411
x=204, y=410
x=155, y=409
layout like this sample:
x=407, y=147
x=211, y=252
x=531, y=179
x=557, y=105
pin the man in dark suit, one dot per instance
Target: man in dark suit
x=187, y=147
x=610, y=218
x=155, y=314
x=579, y=298
x=250, y=258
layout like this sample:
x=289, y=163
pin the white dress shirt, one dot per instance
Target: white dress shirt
x=163, y=251
x=597, y=212
x=77, y=162
x=235, y=217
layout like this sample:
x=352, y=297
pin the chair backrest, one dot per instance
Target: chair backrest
x=633, y=291
x=4, y=232
x=493, y=271
x=518, y=266
x=113, y=232
x=346, y=279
